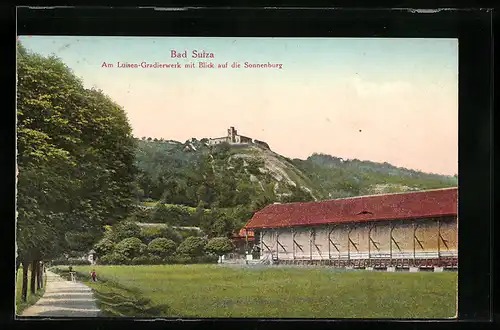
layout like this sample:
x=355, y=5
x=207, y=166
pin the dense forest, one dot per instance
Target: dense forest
x=194, y=174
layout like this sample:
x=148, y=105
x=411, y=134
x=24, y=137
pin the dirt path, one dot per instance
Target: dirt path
x=64, y=298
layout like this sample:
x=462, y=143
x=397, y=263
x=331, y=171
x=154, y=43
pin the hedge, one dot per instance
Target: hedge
x=155, y=260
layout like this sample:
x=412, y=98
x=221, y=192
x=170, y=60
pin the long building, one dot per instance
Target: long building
x=415, y=229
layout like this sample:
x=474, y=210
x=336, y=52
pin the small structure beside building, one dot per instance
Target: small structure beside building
x=92, y=257
x=234, y=138
x=403, y=230
x=243, y=241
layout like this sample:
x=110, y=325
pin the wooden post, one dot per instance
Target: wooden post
x=414, y=239
x=329, y=243
x=277, y=245
x=369, y=244
x=261, y=241
x=293, y=243
x=246, y=242
x=439, y=239
x=310, y=244
x=390, y=243
x=349, y=246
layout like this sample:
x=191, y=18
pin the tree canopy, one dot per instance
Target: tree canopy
x=75, y=159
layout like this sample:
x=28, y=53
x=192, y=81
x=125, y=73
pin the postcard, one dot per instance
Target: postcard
x=190, y=177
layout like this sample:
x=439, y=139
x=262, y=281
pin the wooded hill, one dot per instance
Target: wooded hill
x=223, y=176
x=238, y=181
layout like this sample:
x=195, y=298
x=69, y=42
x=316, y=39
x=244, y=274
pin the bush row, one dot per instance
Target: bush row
x=114, y=259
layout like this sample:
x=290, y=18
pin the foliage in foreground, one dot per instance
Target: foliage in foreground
x=72, y=142
x=270, y=292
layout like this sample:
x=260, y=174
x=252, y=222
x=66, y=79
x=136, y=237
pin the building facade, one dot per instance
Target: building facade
x=416, y=229
x=234, y=138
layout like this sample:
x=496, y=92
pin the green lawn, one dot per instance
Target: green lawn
x=31, y=299
x=218, y=291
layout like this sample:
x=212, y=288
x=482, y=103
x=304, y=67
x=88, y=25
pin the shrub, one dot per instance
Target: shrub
x=104, y=246
x=192, y=246
x=150, y=233
x=185, y=233
x=113, y=259
x=164, y=214
x=210, y=259
x=126, y=229
x=130, y=248
x=162, y=247
x=155, y=260
x=143, y=214
x=219, y=246
x=141, y=260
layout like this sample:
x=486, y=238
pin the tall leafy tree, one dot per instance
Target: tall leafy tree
x=75, y=159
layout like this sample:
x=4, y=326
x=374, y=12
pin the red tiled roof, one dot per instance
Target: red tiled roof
x=422, y=204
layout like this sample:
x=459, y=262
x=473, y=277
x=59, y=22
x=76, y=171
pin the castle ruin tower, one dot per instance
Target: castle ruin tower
x=231, y=134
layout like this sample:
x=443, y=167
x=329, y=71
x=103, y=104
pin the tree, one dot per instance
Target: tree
x=150, y=233
x=260, y=202
x=219, y=246
x=75, y=159
x=130, y=248
x=192, y=246
x=162, y=247
x=217, y=224
x=107, y=243
x=80, y=241
x=298, y=195
x=125, y=229
x=104, y=246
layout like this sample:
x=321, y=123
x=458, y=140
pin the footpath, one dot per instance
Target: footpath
x=64, y=298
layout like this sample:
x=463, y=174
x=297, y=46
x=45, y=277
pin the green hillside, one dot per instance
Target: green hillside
x=180, y=183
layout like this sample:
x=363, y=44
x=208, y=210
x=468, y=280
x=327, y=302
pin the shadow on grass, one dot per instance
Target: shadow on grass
x=21, y=306
x=116, y=300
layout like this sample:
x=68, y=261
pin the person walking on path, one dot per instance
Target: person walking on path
x=72, y=274
x=93, y=275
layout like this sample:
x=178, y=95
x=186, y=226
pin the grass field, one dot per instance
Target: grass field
x=31, y=299
x=269, y=292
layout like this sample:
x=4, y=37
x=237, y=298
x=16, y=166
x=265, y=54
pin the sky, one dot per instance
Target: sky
x=384, y=100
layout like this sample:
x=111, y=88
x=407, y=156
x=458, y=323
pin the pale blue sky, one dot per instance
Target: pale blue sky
x=402, y=93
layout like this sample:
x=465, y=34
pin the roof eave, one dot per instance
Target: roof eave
x=354, y=221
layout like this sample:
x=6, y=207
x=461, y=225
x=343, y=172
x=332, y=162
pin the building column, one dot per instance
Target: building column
x=311, y=243
x=349, y=245
x=277, y=245
x=439, y=239
x=369, y=244
x=390, y=242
